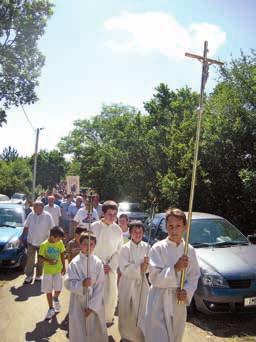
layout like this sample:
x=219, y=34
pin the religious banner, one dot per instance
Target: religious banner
x=73, y=184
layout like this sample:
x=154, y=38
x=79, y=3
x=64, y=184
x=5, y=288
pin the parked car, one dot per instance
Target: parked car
x=4, y=198
x=132, y=210
x=227, y=261
x=12, y=251
x=19, y=198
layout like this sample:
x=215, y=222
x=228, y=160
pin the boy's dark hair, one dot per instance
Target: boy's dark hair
x=57, y=232
x=85, y=236
x=80, y=230
x=109, y=205
x=137, y=224
x=124, y=216
x=178, y=213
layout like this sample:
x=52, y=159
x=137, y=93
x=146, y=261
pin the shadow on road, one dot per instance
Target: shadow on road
x=226, y=325
x=45, y=329
x=26, y=291
x=9, y=274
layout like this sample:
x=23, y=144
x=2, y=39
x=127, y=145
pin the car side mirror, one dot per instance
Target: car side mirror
x=252, y=239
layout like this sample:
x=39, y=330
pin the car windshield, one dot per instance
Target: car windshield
x=126, y=206
x=4, y=198
x=215, y=232
x=17, y=196
x=11, y=217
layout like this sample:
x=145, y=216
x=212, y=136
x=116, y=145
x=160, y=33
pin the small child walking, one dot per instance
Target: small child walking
x=51, y=253
x=133, y=285
x=73, y=246
x=86, y=307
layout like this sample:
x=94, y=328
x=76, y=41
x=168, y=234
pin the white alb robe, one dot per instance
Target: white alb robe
x=109, y=242
x=165, y=319
x=130, y=290
x=93, y=328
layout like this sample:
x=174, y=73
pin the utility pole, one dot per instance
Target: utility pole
x=35, y=164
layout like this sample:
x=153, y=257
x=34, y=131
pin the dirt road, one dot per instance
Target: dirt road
x=23, y=309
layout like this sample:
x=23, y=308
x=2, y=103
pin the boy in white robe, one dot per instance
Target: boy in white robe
x=133, y=285
x=86, y=323
x=109, y=241
x=165, y=317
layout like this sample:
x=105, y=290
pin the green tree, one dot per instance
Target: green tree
x=9, y=154
x=96, y=147
x=16, y=176
x=228, y=151
x=22, y=23
x=125, y=154
x=51, y=168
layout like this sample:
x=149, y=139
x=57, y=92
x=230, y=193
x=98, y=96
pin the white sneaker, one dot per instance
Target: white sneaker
x=50, y=314
x=28, y=279
x=38, y=278
x=56, y=304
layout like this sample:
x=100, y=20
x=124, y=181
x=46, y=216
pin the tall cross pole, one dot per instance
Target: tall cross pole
x=206, y=62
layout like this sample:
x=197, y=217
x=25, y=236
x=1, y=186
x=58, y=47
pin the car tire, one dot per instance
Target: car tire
x=192, y=308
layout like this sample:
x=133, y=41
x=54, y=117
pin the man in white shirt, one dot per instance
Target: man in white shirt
x=97, y=205
x=109, y=242
x=54, y=210
x=37, y=228
x=82, y=217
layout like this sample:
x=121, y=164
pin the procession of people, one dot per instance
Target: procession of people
x=107, y=268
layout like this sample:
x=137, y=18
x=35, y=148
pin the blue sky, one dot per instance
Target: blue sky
x=119, y=51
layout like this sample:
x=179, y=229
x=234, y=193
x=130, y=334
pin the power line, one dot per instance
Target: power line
x=28, y=120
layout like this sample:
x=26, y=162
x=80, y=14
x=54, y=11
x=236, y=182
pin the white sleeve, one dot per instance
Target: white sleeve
x=73, y=282
x=28, y=220
x=192, y=275
x=78, y=217
x=95, y=302
x=95, y=215
x=59, y=211
x=114, y=259
x=51, y=222
x=128, y=269
x=160, y=275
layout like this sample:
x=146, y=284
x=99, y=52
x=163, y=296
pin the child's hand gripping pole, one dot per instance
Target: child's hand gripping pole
x=87, y=282
x=145, y=263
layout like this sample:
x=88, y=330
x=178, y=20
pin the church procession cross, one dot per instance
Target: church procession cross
x=206, y=62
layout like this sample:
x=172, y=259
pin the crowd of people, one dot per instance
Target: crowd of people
x=109, y=267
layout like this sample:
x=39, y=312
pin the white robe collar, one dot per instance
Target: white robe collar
x=173, y=244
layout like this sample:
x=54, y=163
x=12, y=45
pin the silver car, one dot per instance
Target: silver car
x=227, y=261
x=132, y=210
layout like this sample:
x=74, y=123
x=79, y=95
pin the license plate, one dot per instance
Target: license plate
x=250, y=301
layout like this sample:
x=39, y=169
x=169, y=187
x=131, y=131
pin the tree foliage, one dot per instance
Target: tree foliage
x=22, y=23
x=51, y=168
x=125, y=154
x=16, y=176
x=128, y=155
x=9, y=154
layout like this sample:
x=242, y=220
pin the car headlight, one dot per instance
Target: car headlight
x=212, y=279
x=12, y=244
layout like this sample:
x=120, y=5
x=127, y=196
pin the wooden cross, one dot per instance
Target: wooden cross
x=206, y=62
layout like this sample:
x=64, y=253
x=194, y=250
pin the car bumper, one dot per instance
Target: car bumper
x=11, y=258
x=212, y=300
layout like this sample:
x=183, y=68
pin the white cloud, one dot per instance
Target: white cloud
x=160, y=32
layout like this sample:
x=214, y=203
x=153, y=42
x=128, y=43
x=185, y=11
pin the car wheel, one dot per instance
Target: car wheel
x=192, y=307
